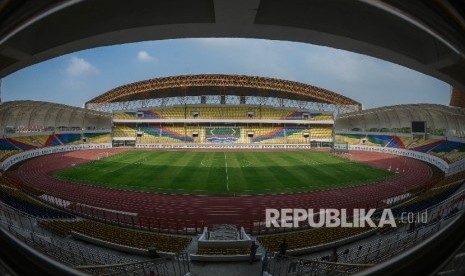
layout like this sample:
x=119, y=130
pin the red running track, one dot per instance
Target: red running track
x=178, y=211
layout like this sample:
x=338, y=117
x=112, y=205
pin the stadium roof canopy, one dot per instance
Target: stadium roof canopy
x=17, y=114
x=216, y=84
x=451, y=119
x=427, y=36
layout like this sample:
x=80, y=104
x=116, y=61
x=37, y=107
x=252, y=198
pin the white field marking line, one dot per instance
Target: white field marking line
x=245, y=163
x=226, y=167
x=137, y=162
x=311, y=161
x=203, y=164
x=109, y=210
x=102, y=154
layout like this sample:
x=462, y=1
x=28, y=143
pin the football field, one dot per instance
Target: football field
x=223, y=173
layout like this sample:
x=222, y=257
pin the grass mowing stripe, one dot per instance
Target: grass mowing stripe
x=198, y=178
x=164, y=175
x=185, y=171
x=238, y=181
x=133, y=174
x=216, y=177
x=306, y=173
x=297, y=171
x=226, y=169
x=258, y=177
x=282, y=178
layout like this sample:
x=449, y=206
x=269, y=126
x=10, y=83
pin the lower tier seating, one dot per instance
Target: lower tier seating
x=308, y=238
x=450, y=151
x=21, y=202
x=118, y=235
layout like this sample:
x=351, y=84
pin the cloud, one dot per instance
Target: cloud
x=79, y=67
x=143, y=56
x=244, y=56
x=371, y=81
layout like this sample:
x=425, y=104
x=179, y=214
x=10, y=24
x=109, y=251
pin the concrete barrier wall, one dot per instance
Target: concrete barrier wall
x=10, y=161
x=223, y=258
x=229, y=244
x=118, y=247
x=438, y=162
x=223, y=146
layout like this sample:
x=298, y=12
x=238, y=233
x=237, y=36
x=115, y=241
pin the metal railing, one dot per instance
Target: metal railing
x=364, y=256
x=170, y=266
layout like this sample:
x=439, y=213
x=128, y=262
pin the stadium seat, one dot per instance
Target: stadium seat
x=21, y=202
x=118, y=235
x=309, y=238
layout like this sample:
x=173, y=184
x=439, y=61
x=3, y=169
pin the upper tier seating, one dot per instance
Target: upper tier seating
x=123, y=131
x=98, y=138
x=124, y=115
x=321, y=132
x=222, y=112
x=321, y=116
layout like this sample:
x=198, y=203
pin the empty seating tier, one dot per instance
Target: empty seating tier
x=98, y=138
x=308, y=238
x=118, y=235
x=222, y=112
x=450, y=151
x=21, y=202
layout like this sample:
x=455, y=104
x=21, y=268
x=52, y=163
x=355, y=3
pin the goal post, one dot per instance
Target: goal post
x=102, y=155
x=339, y=147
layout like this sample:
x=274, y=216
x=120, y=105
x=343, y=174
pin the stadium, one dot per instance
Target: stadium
x=174, y=176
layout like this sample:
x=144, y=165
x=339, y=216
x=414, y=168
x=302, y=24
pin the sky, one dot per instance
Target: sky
x=76, y=78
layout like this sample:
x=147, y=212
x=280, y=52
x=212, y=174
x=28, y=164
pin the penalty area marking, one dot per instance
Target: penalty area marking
x=204, y=163
x=208, y=163
x=226, y=168
x=310, y=162
x=245, y=163
x=211, y=162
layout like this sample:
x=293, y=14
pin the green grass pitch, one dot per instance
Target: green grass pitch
x=223, y=173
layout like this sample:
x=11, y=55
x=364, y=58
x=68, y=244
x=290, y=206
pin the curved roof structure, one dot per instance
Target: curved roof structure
x=35, y=113
x=216, y=84
x=398, y=116
x=427, y=36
